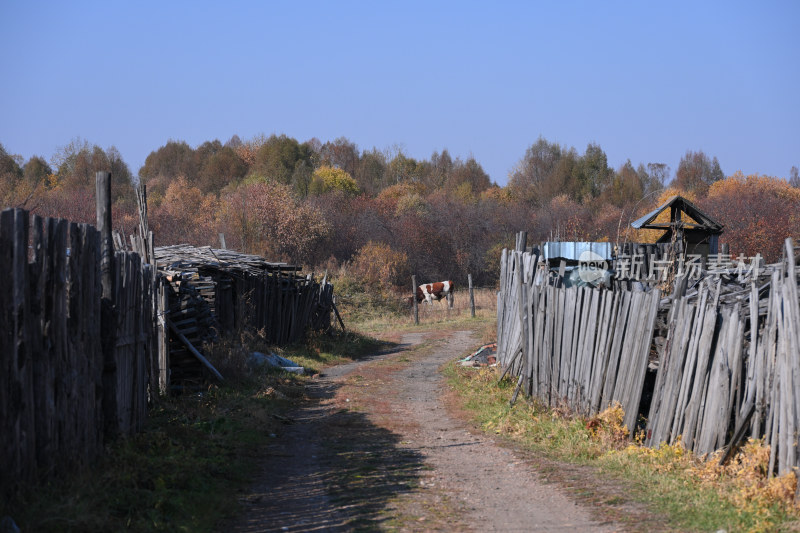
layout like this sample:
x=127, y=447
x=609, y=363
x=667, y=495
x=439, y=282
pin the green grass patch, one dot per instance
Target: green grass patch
x=321, y=350
x=196, y=451
x=668, y=480
x=180, y=473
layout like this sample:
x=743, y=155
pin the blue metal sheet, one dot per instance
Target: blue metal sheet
x=571, y=251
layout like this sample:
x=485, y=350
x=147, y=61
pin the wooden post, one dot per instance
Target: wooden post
x=562, y=270
x=522, y=241
x=103, y=189
x=471, y=297
x=222, y=241
x=414, y=299
x=108, y=318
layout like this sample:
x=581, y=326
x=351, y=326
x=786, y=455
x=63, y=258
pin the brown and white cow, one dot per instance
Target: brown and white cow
x=434, y=291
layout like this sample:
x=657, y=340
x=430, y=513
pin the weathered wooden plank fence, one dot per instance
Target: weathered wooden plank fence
x=730, y=366
x=57, y=403
x=86, y=332
x=732, y=369
x=585, y=348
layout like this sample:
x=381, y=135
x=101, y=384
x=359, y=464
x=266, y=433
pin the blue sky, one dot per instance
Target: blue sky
x=646, y=81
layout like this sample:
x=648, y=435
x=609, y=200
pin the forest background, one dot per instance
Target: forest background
x=383, y=215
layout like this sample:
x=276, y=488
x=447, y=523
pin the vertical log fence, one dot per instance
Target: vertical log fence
x=60, y=394
x=730, y=366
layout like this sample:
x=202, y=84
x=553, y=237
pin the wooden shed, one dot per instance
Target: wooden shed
x=695, y=231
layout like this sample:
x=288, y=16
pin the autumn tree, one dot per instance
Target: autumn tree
x=341, y=153
x=218, y=167
x=758, y=213
x=354, y=221
x=469, y=173
x=234, y=142
x=438, y=170
x=592, y=173
x=530, y=175
x=625, y=188
x=467, y=230
x=10, y=168
x=696, y=172
x=548, y=170
x=330, y=179
x=380, y=266
x=11, y=174
x=277, y=158
x=36, y=171
x=371, y=172
x=657, y=177
x=77, y=164
x=266, y=219
x=185, y=215
x=563, y=219
x=402, y=169
x=301, y=178
x=794, y=178
x=174, y=159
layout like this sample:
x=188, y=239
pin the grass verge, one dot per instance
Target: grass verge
x=183, y=471
x=673, y=486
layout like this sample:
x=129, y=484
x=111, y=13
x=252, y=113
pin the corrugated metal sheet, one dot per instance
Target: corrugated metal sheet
x=649, y=217
x=571, y=251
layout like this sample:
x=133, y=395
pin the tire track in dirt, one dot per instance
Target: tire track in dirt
x=377, y=449
x=498, y=491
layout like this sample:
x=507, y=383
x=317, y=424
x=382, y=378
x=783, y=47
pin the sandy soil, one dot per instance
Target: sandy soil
x=377, y=449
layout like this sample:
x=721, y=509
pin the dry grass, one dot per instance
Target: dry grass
x=693, y=493
x=437, y=313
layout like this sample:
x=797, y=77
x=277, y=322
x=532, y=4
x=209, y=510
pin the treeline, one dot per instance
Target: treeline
x=387, y=215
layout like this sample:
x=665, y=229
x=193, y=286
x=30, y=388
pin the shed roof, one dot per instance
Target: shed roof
x=702, y=220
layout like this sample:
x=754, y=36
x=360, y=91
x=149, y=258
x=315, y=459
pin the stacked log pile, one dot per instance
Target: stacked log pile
x=237, y=291
x=191, y=314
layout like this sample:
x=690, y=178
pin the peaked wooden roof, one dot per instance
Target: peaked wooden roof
x=701, y=220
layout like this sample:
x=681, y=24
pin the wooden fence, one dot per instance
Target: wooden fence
x=85, y=332
x=59, y=395
x=729, y=366
x=577, y=347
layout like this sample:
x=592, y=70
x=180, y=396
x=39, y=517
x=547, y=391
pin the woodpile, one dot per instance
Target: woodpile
x=722, y=351
x=245, y=290
x=218, y=291
x=191, y=324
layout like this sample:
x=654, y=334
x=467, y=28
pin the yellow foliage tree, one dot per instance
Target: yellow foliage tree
x=329, y=179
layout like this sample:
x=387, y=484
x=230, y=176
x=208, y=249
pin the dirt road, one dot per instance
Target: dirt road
x=377, y=449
